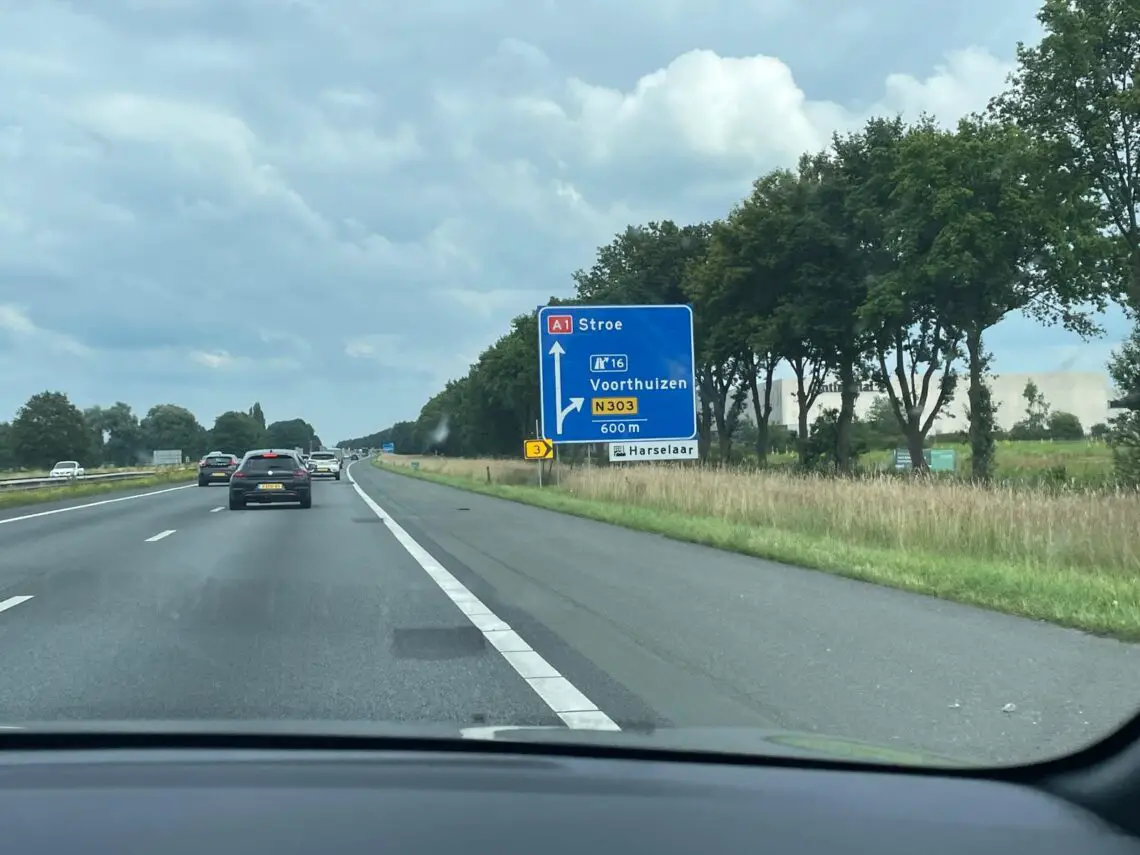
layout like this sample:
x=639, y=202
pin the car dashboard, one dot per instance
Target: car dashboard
x=498, y=800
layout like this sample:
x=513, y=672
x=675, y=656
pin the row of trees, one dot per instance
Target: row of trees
x=885, y=258
x=49, y=428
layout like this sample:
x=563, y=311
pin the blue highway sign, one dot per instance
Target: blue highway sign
x=612, y=373
x=388, y=448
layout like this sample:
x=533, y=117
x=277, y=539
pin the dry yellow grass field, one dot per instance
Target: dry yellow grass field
x=1067, y=556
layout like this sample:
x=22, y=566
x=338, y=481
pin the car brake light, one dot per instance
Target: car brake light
x=269, y=455
x=239, y=475
x=302, y=473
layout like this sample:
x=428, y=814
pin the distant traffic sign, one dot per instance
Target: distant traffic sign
x=388, y=448
x=611, y=373
x=538, y=449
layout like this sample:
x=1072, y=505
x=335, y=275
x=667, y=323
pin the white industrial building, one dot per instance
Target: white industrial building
x=1084, y=394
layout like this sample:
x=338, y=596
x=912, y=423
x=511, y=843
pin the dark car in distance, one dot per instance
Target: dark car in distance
x=216, y=468
x=271, y=476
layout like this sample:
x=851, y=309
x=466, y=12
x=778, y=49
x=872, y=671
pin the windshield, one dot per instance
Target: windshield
x=750, y=377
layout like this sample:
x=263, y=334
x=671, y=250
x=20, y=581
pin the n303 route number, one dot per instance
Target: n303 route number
x=613, y=406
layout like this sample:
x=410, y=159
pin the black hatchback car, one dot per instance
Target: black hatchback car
x=269, y=476
x=216, y=468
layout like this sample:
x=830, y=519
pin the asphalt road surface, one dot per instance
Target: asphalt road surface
x=399, y=600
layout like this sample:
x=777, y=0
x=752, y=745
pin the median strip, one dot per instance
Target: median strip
x=12, y=498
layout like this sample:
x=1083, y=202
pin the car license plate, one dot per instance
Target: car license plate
x=219, y=474
x=271, y=486
x=323, y=469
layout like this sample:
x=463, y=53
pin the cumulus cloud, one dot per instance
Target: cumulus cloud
x=323, y=203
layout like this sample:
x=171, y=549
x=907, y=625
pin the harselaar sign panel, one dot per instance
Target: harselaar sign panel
x=633, y=452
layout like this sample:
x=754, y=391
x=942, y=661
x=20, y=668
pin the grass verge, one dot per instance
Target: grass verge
x=1065, y=559
x=83, y=489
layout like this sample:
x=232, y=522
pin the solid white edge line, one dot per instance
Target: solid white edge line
x=12, y=602
x=161, y=535
x=92, y=505
x=575, y=710
x=218, y=508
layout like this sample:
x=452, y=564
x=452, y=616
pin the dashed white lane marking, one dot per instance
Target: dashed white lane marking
x=218, y=508
x=12, y=602
x=91, y=505
x=161, y=535
x=576, y=710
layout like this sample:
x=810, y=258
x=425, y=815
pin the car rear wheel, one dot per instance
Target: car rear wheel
x=202, y=483
x=307, y=501
x=338, y=476
x=236, y=504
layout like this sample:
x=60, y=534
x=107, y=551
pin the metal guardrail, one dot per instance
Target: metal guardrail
x=35, y=483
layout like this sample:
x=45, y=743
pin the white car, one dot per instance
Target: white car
x=67, y=469
x=324, y=464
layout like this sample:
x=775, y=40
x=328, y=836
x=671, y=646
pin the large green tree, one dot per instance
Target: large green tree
x=1076, y=94
x=123, y=435
x=642, y=265
x=781, y=241
x=912, y=343
x=726, y=364
x=978, y=215
x=236, y=433
x=735, y=293
x=168, y=427
x=291, y=433
x=49, y=428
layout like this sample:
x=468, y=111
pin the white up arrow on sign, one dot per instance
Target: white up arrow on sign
x=575, y=403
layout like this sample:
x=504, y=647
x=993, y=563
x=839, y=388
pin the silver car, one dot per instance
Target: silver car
x=324, y=464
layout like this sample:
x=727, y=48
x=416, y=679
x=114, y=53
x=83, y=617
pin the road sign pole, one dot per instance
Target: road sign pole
x=538, y=434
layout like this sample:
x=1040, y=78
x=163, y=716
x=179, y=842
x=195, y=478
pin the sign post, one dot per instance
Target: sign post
x=616, y=373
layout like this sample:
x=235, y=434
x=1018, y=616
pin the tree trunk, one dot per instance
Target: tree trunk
x=705, y=420
x=981, y=409
x=915, y=445
x=849, y=391
x=762, y=406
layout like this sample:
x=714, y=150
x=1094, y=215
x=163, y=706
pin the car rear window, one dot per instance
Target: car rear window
x=278, y=463
x=322, y=455
x=219, y=461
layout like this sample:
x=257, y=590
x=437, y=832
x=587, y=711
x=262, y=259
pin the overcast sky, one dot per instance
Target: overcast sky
x=332, y=206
